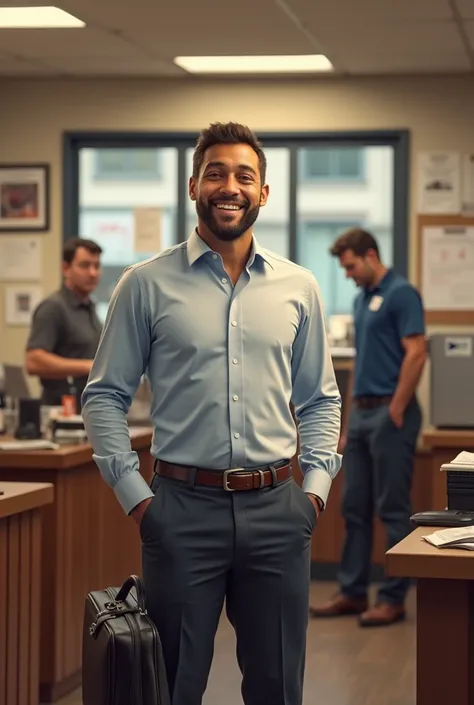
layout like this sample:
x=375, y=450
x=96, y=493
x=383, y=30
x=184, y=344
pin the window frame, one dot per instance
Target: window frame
x=399, y=140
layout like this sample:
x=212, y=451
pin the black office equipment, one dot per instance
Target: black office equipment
x=29, y=419
x=443, y=517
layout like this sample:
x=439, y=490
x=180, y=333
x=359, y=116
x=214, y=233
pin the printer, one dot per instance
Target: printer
x=451, y=380
x=459, y=495
x=459, y=487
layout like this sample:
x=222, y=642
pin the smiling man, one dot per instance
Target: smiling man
x=229, y=335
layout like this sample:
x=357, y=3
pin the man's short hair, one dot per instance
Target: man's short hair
x=227, y=133
x=72, y=244
x=358, y=240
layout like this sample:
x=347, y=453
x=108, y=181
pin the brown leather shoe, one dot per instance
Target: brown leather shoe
x=338, y=606
x=382, y=614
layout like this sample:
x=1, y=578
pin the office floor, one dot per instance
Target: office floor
x=346, y=665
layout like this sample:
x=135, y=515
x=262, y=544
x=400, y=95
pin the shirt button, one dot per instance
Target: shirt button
x=224, y=280
x=234, y=323
x=235, y=397
x=236, y=435
x=214, y=256
x=234, y=361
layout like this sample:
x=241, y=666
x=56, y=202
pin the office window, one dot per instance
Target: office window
x=325, y=210
x=123, y=164
x=337, y=291
x=327, y=163
x=112, y=213
x=305, y=212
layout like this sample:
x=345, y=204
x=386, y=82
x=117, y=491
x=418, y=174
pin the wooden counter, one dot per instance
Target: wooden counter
x=444, y=445
x=20, y=589
x=445, y=617
x=87, y=543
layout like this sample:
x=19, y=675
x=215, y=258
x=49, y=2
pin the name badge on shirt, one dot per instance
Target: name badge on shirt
x=375, y=303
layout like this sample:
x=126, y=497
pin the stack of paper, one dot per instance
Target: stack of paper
x=458, y=537
x=463, y=461
x=464, y=458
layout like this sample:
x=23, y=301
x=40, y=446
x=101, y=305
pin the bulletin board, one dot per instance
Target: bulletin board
x=446, y=268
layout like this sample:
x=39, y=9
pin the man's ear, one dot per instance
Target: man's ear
x=192, y=188
x=264, y=195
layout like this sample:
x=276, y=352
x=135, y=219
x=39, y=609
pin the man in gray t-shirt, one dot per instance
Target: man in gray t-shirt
x=65, y=330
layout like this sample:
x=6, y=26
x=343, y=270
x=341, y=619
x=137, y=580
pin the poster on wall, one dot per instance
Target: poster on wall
x=20, y=258
x=148, y=229
x=439, y=181
x=24, y=197
x=448, y=268
x=20, y=303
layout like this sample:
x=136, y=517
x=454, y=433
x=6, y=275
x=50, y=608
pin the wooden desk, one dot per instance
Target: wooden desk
x=444, y=446
x=20, y=589
x=445, y=617
x=87, y=543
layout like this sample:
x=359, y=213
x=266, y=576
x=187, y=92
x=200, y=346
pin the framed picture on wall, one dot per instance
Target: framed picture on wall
x=24, y=197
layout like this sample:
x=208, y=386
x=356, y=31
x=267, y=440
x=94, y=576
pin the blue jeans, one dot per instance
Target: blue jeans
x=377, y=477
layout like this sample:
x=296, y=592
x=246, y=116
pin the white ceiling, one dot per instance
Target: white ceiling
x=141, y=37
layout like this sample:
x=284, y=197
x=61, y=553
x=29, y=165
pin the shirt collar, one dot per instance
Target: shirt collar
x=73, y=299
x=196, y=248
x=383, y=283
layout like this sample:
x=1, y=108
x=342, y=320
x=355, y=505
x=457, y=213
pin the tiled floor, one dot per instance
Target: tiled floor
x=346, y=665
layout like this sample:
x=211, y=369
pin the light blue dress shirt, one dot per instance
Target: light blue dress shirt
x=224, y=362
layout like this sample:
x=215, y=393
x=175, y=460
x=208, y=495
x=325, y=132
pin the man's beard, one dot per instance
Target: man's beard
x=232, y=230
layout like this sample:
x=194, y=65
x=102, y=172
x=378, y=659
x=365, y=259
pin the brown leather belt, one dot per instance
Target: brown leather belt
x=371, y=402
x=230, y=480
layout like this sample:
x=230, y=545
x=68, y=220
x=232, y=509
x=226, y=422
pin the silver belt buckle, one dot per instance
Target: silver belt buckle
x=225, y=481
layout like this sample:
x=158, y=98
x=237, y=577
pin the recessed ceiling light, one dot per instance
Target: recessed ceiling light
x=37, y=18
x=309, y=63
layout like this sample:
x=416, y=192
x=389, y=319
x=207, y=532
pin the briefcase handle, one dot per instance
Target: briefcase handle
x=132, y=581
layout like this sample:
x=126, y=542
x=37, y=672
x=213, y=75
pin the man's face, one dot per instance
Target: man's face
x=228, y=191
x=83, y=274
x=358, y=268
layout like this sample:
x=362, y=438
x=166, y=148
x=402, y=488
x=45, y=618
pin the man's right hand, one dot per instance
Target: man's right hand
x=138, y=511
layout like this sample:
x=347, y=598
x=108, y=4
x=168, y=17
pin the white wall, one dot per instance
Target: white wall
x=437, y=110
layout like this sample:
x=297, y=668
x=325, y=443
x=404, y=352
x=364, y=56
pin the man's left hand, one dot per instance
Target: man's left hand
x=396, y=414
x=316, y=502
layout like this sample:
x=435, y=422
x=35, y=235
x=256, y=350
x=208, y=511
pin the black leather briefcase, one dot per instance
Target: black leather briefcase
x=122, y=657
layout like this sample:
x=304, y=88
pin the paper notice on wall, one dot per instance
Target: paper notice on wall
x=439, y=182
x=20, y=258
x=448, y=268
x=148, y=227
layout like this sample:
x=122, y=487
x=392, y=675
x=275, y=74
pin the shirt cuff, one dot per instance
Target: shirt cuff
x=132, y=489
x=318, y=482
x=122, y=474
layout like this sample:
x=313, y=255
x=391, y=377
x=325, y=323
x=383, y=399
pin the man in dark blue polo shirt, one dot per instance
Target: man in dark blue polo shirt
x=379, y=437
